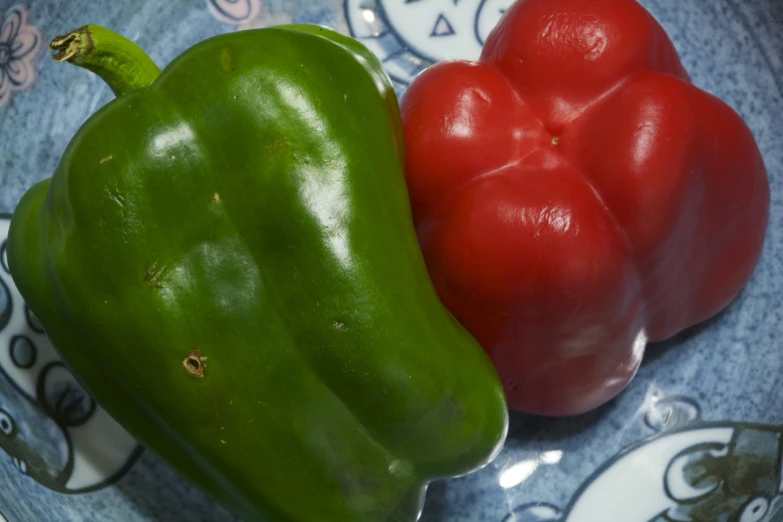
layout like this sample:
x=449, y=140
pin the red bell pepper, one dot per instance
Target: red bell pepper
x=576, y=196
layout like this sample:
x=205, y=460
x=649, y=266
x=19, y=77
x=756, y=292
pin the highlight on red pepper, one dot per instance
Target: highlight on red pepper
x=576, y=196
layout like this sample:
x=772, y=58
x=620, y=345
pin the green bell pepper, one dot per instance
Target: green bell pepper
x=225, y=257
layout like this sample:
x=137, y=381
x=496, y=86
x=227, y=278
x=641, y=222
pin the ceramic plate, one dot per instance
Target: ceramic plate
x=711, y=397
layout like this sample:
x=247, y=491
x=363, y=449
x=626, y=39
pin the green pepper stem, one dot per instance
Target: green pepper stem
x=122, y=64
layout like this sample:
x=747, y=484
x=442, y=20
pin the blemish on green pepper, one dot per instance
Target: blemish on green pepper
x=152, y=275
x=195, y=364
x=225, y=60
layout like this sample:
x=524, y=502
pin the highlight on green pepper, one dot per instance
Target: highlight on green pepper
x=226, y=259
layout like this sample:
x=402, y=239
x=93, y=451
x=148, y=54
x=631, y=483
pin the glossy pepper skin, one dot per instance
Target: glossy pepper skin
x=227, y=260
x=575, y=196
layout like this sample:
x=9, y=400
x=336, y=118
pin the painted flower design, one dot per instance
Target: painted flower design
x=19, y=45
x=245, y=14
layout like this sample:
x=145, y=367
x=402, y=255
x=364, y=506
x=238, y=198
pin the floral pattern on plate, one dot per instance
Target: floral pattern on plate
x=245, y=14
x=20, y=45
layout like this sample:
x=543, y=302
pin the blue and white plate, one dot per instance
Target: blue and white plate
x=711, y=400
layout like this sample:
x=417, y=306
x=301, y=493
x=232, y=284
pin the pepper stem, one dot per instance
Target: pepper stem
x=122, y=64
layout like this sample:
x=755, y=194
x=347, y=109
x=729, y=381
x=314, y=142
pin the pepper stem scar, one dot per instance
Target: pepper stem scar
x=122, y=64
